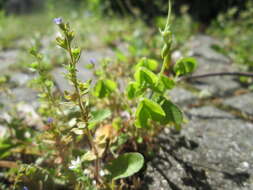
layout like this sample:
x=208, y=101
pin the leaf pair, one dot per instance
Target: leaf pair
x=185, y=66
x=144, y=78
x=150, y=64
x=164, y=113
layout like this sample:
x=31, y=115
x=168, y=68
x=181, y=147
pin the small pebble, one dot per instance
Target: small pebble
x=245, y=165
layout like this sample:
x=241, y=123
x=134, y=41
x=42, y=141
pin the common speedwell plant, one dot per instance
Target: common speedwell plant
x=98, y=134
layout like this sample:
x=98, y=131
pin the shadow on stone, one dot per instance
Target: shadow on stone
x=193, y=175
x=172, y=185
x=238, y=178
x=205, y=117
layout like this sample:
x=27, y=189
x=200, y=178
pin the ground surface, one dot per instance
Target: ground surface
x=214, y=149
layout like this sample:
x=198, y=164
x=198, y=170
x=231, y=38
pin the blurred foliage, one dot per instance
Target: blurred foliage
x=20, y=6
x=203, y=11
x=235, y=29
x=200, y=10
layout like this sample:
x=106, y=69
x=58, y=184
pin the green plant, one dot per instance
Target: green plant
x=95, y=135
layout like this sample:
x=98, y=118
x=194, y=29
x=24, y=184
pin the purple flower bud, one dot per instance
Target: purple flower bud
x=58, y=21
x=92, y=60
x=25, y=188
x=50, y=120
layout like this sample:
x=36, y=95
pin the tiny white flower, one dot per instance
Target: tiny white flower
x=72, y=122
x=101, y=173
x=86, y=172
x=75, y=163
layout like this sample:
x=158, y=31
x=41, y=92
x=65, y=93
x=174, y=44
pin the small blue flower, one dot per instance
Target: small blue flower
x=50, y=120
x=92, y=60
x=58, y=21
x=25, y=188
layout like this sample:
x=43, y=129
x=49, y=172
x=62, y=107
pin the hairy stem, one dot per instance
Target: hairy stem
x=84, y=113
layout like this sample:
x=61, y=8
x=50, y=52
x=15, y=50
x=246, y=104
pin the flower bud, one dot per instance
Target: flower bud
x=167, y=36
x=70, y=35
x=59, y=22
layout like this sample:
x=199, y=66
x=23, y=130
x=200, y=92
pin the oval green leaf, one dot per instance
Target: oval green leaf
x=125, y=165
x=143, y=75
x=173, y=113
x=155, y=110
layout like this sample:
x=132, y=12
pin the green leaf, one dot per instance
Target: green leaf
x=143, y=75
x=98, y=116
x=167, y=82
x=111, y=85
x=155, y=110
x=185, y=66
x=5, y=148
x=89, y=66
x=99, y=89
x=132, y=90
x=142, y=115
x=34, y=65
x=61, y=42
x=150, y=64
x=148, y=109
x=173, y=113
x=125, y=165
x=163, y=84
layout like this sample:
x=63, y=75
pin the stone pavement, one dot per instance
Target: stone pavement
x=214, y=149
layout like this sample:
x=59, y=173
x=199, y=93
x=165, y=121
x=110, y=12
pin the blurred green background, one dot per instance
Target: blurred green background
x=200, y=10
x=120, y=19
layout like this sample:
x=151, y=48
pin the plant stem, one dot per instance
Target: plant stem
x=168, y=18
x=245, y=74
x=113, y=185
x=84, y=113
x=165, y=63
x=53, y=101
